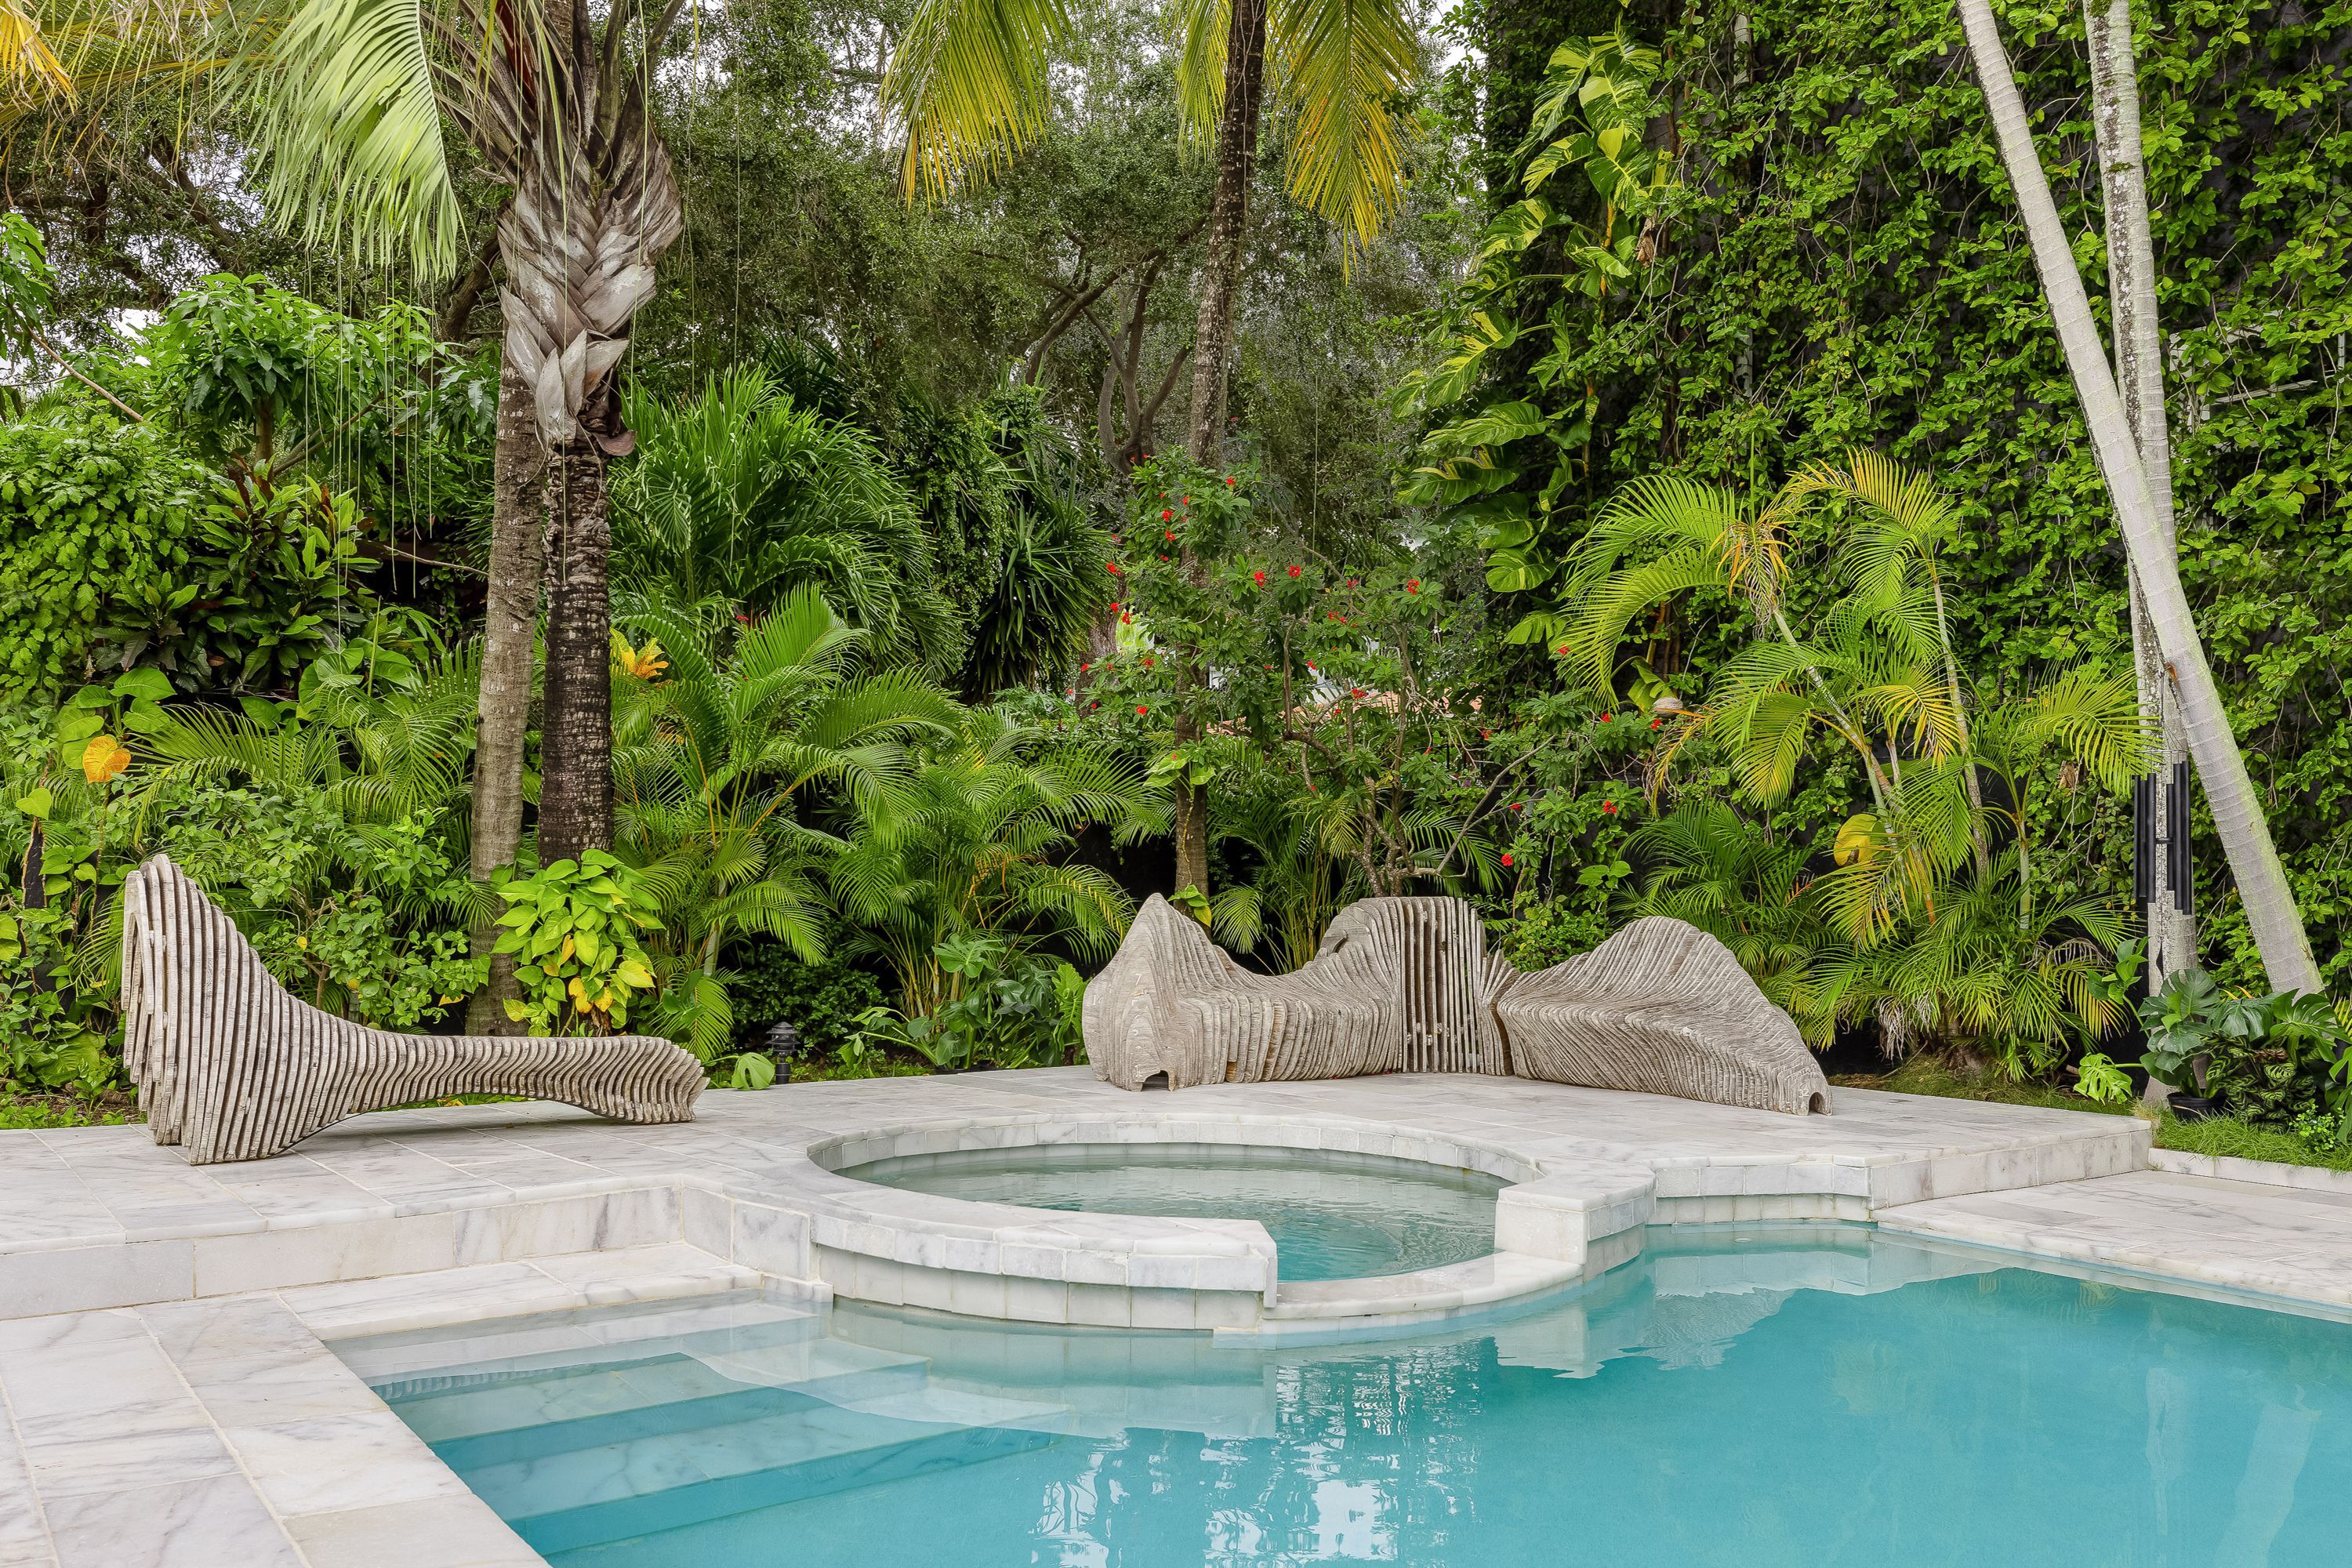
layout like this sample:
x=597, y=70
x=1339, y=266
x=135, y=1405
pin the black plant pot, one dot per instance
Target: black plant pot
x=2194, y=1106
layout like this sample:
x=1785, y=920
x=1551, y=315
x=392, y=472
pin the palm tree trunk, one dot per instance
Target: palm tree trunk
x=575, y=792
x=1228, y=226
x=2139, y=377
x=2238, y=819
x=503, y=707
x=1212, y=350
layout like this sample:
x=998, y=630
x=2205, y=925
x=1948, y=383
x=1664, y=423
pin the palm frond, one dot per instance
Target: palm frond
x=349, y=132
x=1343, y=65
x=969, y=82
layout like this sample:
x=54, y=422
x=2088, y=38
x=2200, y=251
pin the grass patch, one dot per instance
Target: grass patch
x=833, y=1071
x=26, y=1112
x=1931, y=1074
x=2237, y=1140
x=2222, y=1135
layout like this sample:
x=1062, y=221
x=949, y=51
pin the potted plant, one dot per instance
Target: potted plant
x=2197, y=1034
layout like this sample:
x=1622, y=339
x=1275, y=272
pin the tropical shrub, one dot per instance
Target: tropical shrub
x=728, y=768
x=99, y=528
x=740, y=499
x=573, y=928
x=1012, y=1008
x=979, y=846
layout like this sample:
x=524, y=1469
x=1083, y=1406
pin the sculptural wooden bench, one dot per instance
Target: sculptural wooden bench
x=232, y=1066
x=1407, y=985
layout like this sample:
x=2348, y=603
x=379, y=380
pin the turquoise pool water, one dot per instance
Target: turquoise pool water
x=1741, y=1397
x=1332, y=1214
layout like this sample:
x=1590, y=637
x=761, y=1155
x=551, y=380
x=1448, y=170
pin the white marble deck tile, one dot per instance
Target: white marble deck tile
x=2279, y=1241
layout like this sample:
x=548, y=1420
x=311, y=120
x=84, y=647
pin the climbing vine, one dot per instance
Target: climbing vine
x=1837, y=264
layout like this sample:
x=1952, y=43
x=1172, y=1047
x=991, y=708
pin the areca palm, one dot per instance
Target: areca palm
x=982, y=845
x=724, y=768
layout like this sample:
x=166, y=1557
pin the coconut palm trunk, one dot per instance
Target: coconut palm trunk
x=2238, y=818
x=1213, y=342
x=1212, y=338
x=2139, y=378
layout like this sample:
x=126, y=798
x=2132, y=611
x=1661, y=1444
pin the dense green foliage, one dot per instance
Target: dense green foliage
x=1558, y=556
x=1833, y=262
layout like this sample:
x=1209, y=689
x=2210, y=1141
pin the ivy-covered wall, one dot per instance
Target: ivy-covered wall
x=1842, y=266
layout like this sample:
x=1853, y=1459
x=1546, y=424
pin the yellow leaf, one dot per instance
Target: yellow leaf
x=104, y=758
x=1853, y=838
x=565, y=956
x=631, y=973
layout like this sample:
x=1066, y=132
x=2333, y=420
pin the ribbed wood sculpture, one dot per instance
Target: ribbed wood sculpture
x=232, y=1066
x=1407, y=985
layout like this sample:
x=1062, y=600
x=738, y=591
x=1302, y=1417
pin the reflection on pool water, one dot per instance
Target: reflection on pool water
x=1333, y=1215
x=1766, y=1397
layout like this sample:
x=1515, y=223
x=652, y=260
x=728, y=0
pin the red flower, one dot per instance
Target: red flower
x=1083, y=667
x=1188, y=500
x=1140, y=710
x=1355, y=691
x=1607, y=718
x=1413, y=585
x=1229, y=484
x=1165, y=514
x=1351, y=582
x=1508, y=861
x=1608, y=807
x=1258, y=577
x=1163, y=558
x=1111, y=567
x=1485, y=734
x=1518, y=806
x=1125, y=618
x=1148, y=662
x=1115, y=604
x=1168, y=534
x=1561, y=650
x=1293, y=571
x=1655, y=722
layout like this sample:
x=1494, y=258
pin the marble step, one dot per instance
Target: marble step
x=545, y=1399
x=602, y=1478
x=549, y=1340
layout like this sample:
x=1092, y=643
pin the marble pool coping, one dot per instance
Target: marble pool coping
x=98, y=1218
x=167, y=1394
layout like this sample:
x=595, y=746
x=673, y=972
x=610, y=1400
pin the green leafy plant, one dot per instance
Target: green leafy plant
x=573, y=929
x=2096, y=1077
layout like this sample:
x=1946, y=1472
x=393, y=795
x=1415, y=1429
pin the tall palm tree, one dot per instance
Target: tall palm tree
x=2238, y=818
x=2139, y=377
x=970, y=79
x=353, y=96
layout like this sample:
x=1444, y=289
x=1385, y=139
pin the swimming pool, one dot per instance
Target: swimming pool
x=1765, y=1396
x=1332, y=1214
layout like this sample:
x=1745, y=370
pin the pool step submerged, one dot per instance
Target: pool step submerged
x=576, y=1447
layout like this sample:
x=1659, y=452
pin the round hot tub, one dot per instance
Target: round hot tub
x=1333, y=1214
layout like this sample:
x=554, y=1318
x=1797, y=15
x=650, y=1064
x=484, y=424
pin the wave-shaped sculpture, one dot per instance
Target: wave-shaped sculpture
x=1407, y=985
x=232, y=1066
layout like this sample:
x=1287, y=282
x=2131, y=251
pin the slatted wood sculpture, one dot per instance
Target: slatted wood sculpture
x=232, y=1066
x=1407, y=985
